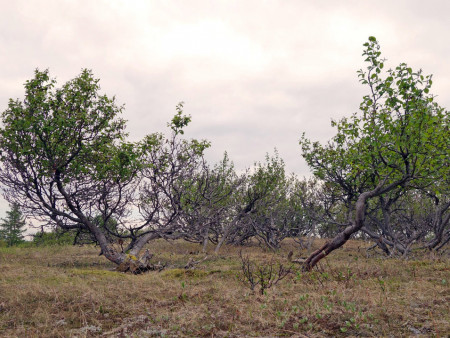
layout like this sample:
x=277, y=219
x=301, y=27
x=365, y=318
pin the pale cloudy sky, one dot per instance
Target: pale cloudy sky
x=254, y=75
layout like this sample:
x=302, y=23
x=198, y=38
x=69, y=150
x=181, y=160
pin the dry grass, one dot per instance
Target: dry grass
x=71, y=291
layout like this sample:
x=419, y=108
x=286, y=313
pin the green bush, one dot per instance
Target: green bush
x=53, y=238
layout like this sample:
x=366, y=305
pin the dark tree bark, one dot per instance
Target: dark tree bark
x=440, y=222
x=357, y=224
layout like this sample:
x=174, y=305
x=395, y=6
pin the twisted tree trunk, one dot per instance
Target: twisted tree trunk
x=440, y=223
x=357, y=224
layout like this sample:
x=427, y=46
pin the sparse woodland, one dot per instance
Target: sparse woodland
x=253, y=252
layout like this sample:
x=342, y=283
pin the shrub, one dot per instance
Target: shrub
x=53, y=238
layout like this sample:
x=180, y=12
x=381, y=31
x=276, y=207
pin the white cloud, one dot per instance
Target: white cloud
x=254, y=74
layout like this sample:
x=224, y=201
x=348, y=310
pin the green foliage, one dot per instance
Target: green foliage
x=273, y=195
x=13, y=226
x=179, y=121
x=268, y=179
x=217, y=183
x=400, y=134
x=53, y=238
x=72, y=131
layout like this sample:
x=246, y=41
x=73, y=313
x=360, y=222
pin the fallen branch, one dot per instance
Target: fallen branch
x=191, y=263
x=299, y=260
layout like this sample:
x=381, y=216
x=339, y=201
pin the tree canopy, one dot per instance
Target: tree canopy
x=397, y=141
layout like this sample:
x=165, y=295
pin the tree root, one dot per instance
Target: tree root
x=138, y=266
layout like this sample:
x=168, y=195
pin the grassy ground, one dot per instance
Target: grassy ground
x=71, y=291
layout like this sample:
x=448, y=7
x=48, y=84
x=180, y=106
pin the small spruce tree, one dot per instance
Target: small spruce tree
x=13, y=226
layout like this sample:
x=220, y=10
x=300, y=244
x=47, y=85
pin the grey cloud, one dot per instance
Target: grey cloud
x=264, y=72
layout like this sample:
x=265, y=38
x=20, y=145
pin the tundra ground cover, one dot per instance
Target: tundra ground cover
x=71, y=291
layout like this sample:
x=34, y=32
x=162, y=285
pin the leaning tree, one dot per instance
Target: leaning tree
x=66, y=162
x=398, y=141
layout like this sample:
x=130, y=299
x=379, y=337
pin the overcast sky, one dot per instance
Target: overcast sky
x=254, y=75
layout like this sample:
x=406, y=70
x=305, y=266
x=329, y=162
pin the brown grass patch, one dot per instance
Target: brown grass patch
x=71, y=291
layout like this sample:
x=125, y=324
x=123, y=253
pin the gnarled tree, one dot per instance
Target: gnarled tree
x=66, y=162
x=398, y=141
